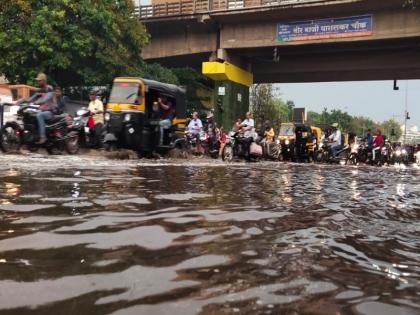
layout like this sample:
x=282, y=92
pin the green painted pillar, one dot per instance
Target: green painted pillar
x=232, y=102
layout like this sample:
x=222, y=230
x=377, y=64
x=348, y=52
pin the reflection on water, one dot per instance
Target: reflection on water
x=209, y=239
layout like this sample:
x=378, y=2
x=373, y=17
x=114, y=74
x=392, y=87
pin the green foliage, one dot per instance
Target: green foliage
x=359, y=125
x=159, y=73
x=193, y=81
x=267, y=107
x=391, y=128
x=85, y=42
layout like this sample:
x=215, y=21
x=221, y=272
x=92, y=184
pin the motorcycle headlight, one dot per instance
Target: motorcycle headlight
x=287, y=142
x=398, y=152
x=403, y=151
x=127, y=117
x=107, y=116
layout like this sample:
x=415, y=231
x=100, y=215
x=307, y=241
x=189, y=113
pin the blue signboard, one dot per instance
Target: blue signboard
x=324, y=29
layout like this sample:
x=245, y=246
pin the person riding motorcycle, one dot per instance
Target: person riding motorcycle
x=247, y=127
x=377, y=143
x=194, y=129
x=212, y=131
x=45, y=98
x=268, y=136
x=96, y=107
x=335, y=140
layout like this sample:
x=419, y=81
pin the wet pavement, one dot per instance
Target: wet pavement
x=87, y=235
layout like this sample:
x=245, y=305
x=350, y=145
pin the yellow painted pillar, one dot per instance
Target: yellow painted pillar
x=231, y=89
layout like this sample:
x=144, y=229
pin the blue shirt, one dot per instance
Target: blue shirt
x=369, y=139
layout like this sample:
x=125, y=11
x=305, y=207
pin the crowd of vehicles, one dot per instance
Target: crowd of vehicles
x=133, y=120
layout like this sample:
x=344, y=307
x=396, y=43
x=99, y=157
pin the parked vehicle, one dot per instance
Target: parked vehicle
x=60, y=137
x=131, y=123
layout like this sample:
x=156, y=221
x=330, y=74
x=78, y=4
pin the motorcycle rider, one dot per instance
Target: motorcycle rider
x=268, y=136
x=335, y=140
x=212, y=130
x=249, y=131
x=45, y=98
x=96, y=107
x=59, y=100
x=369, y=139
x=377, y=143
x=194, y=127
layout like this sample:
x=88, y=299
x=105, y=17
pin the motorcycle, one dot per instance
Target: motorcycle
x=271, y=150
x=323, y=153
x=237, y=146
x=400, y=156
x=87, y=135
x=356, y=154
x=192, y=142
x=386, y=153
x=210, y=144
x=24, y=130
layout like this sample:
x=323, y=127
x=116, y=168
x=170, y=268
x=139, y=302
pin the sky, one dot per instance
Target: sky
x=374, y=99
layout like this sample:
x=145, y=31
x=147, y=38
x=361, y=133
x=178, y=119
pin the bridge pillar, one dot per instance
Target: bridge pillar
x=231, y=89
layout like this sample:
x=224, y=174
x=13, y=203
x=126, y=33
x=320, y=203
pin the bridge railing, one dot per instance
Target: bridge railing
x=189, y=7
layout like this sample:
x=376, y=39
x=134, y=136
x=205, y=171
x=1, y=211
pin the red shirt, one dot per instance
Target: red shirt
x=379, y=140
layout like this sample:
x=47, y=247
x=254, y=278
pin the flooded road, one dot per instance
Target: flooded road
x=85, y=235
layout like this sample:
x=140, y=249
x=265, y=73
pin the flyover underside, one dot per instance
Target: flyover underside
x=362, y=61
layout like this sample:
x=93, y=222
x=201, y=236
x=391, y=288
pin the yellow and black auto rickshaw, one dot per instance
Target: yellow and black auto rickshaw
x=132, y=123
x=297, y=142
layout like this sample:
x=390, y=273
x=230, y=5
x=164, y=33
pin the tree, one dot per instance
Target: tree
x=193, y=81
x=267, y=107
x=359, y=125
x=392, y=129
x=314, y=118
x=81, y=42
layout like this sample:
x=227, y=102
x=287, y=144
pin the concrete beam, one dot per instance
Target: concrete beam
x=393, y=24
x=354, y=66
x=177, y=40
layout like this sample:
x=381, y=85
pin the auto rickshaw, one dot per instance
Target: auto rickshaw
x=131, y=122
x=296, y=141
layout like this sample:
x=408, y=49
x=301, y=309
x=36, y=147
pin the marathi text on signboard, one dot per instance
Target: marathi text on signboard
x=324, y=29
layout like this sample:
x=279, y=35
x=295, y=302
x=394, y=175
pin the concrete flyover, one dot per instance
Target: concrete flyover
x=250, y=35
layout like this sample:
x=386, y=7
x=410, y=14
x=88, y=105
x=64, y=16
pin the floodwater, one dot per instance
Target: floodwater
x=85, y=235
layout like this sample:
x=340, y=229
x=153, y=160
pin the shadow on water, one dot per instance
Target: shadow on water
x=104, y=237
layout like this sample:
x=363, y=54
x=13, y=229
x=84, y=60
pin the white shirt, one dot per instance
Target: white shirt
x=195, y=126
x=249, y=129
x=335, y=138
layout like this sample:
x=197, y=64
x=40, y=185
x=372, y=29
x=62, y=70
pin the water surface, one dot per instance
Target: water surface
x=91, y=236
